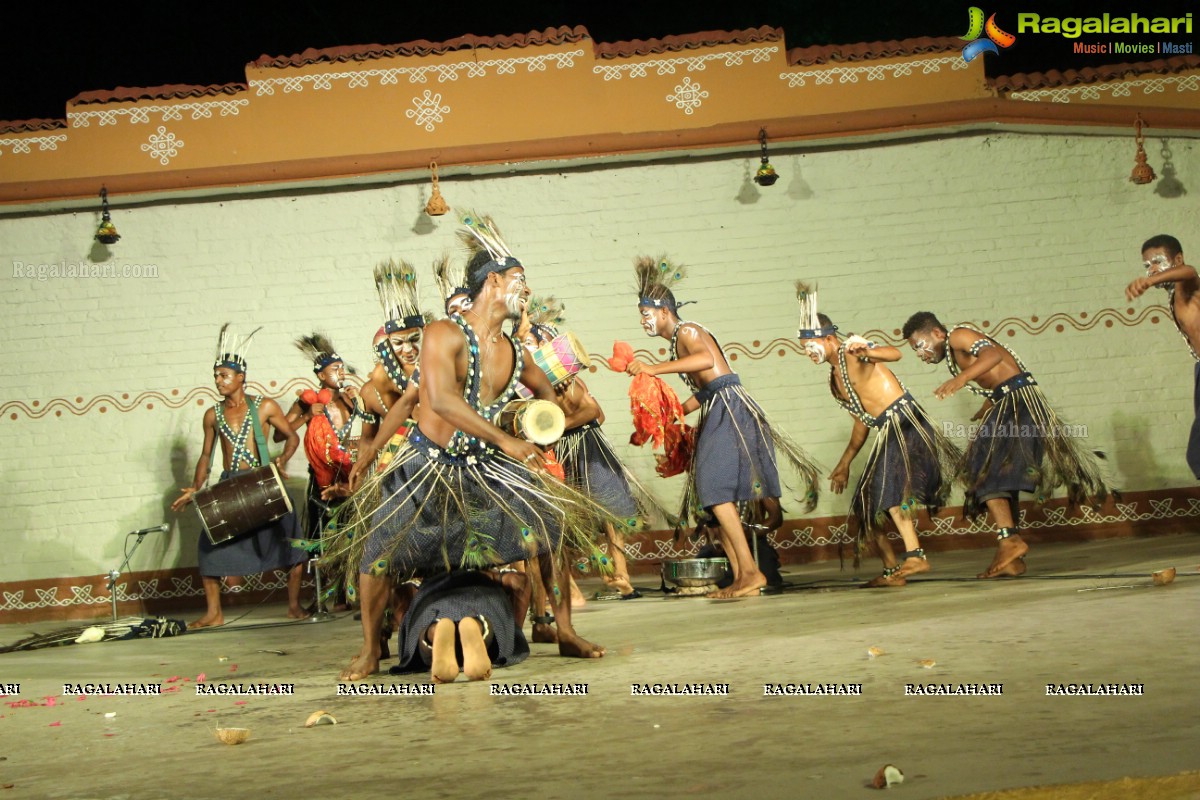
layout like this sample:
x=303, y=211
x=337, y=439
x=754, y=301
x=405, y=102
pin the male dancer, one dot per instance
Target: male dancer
x=461, y=493
x=324, y=469
x=910, y=464
x=242, y=424
x=391, y=394
x=734, y=458
x=1021, y=444
x=1163, y=258
x=588, y=459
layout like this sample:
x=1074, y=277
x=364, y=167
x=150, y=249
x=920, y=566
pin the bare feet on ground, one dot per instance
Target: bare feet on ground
x=544, y=633
x=745, y=585
x=621, y=583
x=208, y=621
x=577, y=598
x=1014, y=569
x=477, y=664
x=912, y=566
x=298, y=613
x=884, y=582
x=575, y=646
x=363, y=665
x=1008, y=550
x=444, y=668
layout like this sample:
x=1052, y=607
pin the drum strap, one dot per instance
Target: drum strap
x=259, y=440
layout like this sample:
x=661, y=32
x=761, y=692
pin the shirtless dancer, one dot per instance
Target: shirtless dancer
x=589, y=461
x=1021, y=445
x=734, y=458
x=461, y=493
x=243, y=447
x=910, y=464
x=1162, y=256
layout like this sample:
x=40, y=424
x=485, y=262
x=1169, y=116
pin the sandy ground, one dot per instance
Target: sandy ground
x=1059, y=625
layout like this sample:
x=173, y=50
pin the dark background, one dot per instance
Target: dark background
x=52, y=53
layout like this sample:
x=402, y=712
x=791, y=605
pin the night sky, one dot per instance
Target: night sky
x=52, y=54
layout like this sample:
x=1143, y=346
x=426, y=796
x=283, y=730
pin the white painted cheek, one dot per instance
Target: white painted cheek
x=651, y=326
x=816, y=351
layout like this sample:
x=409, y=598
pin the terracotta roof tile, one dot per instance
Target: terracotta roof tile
x=28, y=125
x=422, y=47
x=1052, y=78
x=865, y=51
x=178, y=91
x=689, y=41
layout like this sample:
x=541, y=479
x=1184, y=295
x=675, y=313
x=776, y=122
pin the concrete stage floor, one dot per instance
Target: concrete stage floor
x=463, y=742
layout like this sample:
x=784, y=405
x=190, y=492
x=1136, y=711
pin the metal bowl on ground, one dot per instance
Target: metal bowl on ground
x=695, y=571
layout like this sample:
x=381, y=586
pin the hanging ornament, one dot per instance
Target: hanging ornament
x=766, y=174
x=107, y=232
x=1142, y=172
x=437, y=205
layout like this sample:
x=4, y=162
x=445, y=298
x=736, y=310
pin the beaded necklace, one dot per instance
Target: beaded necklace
x=391, y=365
x=461, y=443
x=979, y=344
x=854, y=404
x=344, y=432
x=238, y=441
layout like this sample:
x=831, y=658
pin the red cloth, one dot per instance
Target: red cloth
x=658, y=418
x=329, y=460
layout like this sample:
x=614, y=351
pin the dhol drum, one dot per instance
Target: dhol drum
x=561, y=358
x=537, y=421
x=242, y=504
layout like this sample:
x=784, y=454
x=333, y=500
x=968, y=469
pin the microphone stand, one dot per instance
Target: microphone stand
x=116, y=573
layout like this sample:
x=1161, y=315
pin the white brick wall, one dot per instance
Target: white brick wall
x=979, y=228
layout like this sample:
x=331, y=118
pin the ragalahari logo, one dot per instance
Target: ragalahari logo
x=977, y=45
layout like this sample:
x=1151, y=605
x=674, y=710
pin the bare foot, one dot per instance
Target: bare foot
x=477, y=664
x=746, y=585
x=577, y=598
x=885, y=581
x=207, y=621
x=574, y=646
x=298, y=613
x=544, y=633
x=1008, y=550
x=1014, y=569
x=912, y=566
x=444, y=668
x=621, y=583
x=363, y=665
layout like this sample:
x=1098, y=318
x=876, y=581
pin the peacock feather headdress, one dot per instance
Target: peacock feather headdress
x=320, y=351
x=810, y=322
x=232, y=349
x=451, y=280
x=545, y=315
x=656, y=277
x=396, y=283
x=480, y=234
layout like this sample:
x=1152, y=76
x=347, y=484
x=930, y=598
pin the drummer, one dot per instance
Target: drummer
x=242, y=423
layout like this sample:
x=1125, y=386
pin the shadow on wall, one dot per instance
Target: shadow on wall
x=1131, y=456
x=1169, y=186
x=185, y=526
x=749, y=193
x=798, y=188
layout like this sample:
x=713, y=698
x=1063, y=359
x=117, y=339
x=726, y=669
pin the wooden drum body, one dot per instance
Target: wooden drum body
x=242, y=504
x=537, y=421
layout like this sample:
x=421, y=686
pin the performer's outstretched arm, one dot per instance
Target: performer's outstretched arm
x=200, y=476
